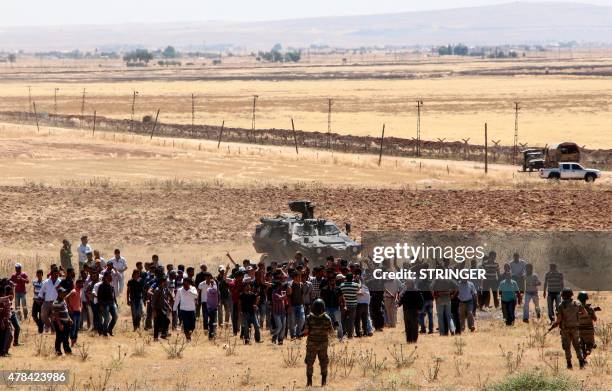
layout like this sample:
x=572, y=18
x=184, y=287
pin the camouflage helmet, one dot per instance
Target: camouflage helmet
x=318, y=307
x=567, y=293
x=583, y=296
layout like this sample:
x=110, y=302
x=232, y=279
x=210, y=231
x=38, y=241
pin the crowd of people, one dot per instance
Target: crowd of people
x=290, y=299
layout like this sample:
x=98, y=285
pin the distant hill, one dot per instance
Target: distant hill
x=513, y=23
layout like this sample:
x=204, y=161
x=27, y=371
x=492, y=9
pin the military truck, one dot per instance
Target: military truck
x=549, y=157
x=279, y=238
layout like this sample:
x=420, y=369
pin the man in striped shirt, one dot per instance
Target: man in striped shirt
x=37, y=301
x=349, y=290
x=553, y=285
x=62, y=323
x=491, y=281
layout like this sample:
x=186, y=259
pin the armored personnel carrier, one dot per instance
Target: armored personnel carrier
x=280, y=237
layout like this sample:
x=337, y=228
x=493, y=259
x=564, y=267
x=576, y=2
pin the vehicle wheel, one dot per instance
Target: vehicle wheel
x=589, y=178
x=554, y=175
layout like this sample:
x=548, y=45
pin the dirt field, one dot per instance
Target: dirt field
x=571, y=102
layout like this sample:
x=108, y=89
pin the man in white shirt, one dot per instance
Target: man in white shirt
x=115, y=275
x=120, y=265
x=82, y=250
x=48, y=294
x=185, y=299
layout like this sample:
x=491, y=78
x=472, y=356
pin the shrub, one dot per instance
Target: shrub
x=534, y=381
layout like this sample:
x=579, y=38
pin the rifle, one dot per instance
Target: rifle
x=554, y=325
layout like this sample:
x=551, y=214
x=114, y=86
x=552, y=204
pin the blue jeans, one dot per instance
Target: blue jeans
x=137, y=310
x=336, y=317
x=445, y=319
x=21, y=302
x=261, y=314
x=248, y=319
x=529, y=296
x=296, y=320
x=109, y=317
x=74, y=329
x=426, y=310
x=97, y=324
x=212, y=322
x=553, y=300
x=280, y=321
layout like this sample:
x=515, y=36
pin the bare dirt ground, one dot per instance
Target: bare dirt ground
x=142, y=192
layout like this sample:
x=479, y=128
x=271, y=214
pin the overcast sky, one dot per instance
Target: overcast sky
x=62, y=12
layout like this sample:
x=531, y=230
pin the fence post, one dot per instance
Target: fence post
x=154, y=124
x=486, y=147
x=294, y=137
x=36, y=116
x=382, y=138
x=221, y=134
x=93, y=132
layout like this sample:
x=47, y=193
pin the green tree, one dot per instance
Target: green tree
x=138, y=55
x=170, y=52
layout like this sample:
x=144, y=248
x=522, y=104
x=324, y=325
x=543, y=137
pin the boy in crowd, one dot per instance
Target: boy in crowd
x=161, y=302
x=19, y=280
x=37, y=301
x=212, y=305
x=73, y=301
x=62, y=323
x=134, y=297
x=185, y=299
x=248, y=307
x=532, y=282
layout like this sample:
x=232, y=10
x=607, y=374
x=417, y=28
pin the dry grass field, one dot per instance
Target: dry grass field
x=190, y=202
x=561, y=99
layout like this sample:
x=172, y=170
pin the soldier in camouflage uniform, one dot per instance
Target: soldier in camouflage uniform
x=567, y=319
x=318, y=328
x=586, y=325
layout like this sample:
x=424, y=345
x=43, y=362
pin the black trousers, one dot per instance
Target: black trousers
x=361, y=320
x=411, y=324
x=36, y=308
x=160, y=326
x=376, y=309
x=62, y=338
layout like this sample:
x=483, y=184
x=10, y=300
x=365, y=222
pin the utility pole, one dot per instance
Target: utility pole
x=294, y=137
x=133, y=107
x=253, y=118
x=486, y=151
x=418, y=130
x=83, y=108
x=382, y=139
x=55, y=103
x=517, y=107
x=192, y=112
x=330, y=102
x=30, y=99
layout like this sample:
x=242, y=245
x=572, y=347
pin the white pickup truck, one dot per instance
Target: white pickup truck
x=570, y=171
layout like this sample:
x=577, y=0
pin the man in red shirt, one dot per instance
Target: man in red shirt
x=20, y=280
x=236, y=287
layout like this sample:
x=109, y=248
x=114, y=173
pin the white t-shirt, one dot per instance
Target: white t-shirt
x=95, y=291
x=203, y=288
x=186, y=299
x=83, y=250
x=119, y=264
